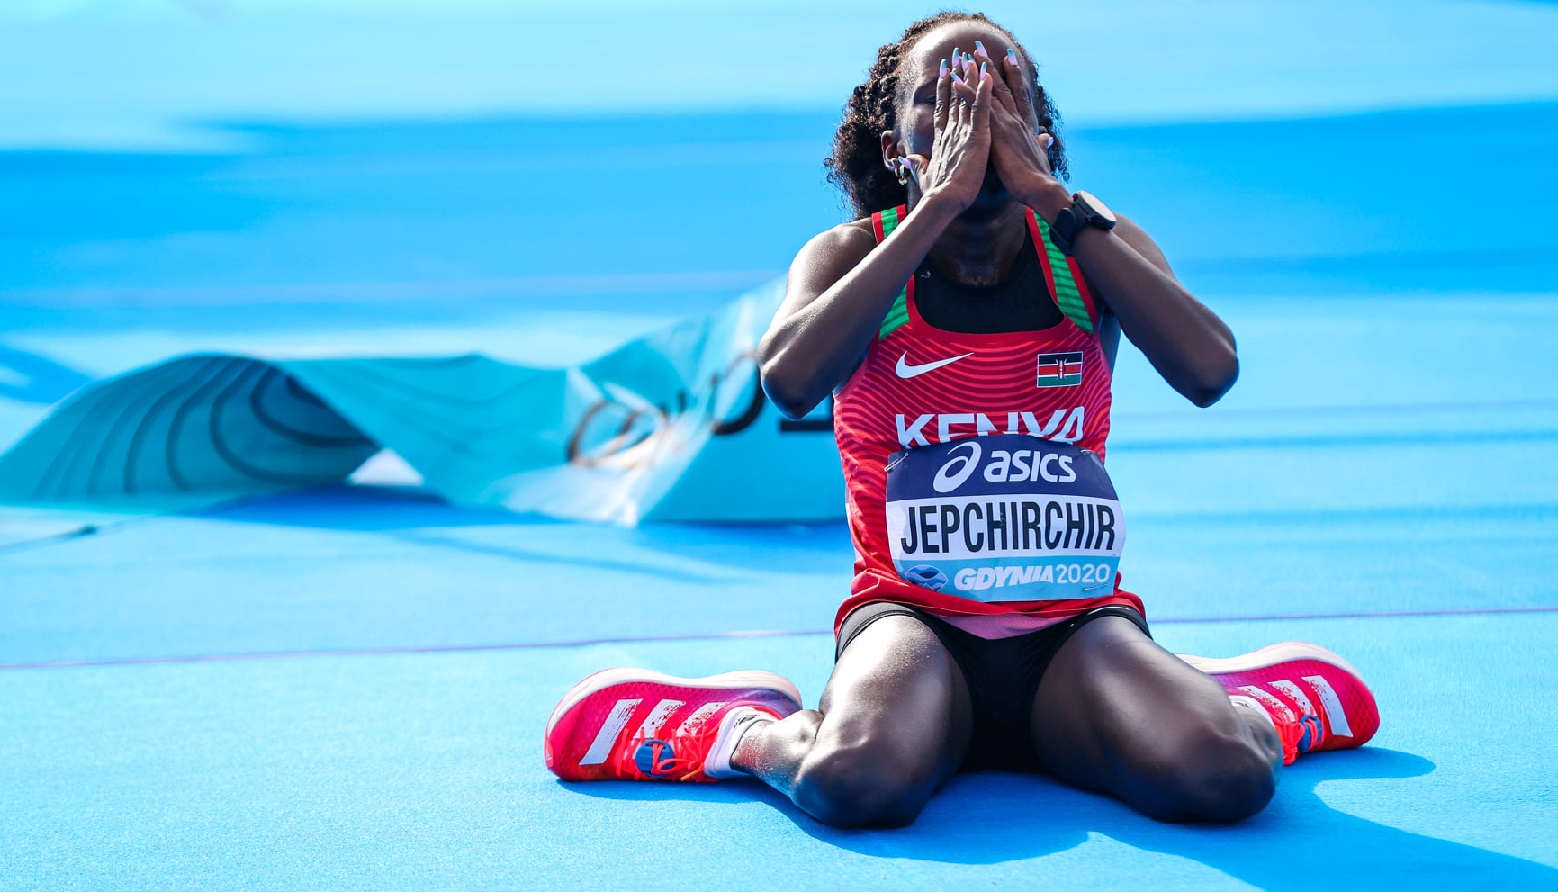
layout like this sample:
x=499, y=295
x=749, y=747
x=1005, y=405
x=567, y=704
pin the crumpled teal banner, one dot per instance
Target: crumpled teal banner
x=672, y=426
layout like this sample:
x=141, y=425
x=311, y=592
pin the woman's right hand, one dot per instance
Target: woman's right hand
x=955, y=171
x=843, y=282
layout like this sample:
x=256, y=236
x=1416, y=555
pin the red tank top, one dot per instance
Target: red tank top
x=921, y=385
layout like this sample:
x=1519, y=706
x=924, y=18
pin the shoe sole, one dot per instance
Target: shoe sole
x=741, y=680
x=1270, y=655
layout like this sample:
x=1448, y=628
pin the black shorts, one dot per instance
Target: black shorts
x=1003, y=676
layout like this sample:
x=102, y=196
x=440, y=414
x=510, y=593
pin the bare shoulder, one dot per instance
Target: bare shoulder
x=1137, y=238
x=828, y=256
x=849, y=242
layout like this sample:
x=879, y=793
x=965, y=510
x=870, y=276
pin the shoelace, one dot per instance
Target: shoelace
x=1311, y=728
x=687, y=754
x=1302, y=733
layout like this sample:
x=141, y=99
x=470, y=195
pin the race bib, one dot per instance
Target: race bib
x=1005, y=517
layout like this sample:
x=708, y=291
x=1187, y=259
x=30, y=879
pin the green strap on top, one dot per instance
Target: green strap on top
x=1067, y=296
x=898, y=316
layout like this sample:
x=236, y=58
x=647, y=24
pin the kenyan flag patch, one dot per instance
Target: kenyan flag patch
x=1060, y=369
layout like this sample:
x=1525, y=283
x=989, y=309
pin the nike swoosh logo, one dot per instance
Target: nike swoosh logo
x=909, y=371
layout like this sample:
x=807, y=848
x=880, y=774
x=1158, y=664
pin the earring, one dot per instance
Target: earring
x=901, y=169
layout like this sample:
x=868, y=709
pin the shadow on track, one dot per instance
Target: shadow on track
x=990, y=818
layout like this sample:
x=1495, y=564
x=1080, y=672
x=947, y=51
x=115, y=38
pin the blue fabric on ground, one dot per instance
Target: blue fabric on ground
x=661, y=428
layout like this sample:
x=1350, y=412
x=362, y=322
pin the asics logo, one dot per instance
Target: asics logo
x=960, y=466
x=905, y=370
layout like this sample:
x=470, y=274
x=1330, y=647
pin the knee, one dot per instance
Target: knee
x=1220, y=777
x=860, y=786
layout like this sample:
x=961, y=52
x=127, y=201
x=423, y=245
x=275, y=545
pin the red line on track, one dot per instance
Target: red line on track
x=712, y=636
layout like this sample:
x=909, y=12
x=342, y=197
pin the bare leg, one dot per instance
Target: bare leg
x=1118, y=714
x=895, y=723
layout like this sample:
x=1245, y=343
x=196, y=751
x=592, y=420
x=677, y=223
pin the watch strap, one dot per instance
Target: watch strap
x=1064, y=230
x=1073, y=219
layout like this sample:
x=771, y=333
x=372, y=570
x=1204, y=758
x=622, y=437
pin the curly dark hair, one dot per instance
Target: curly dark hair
x=856, y=164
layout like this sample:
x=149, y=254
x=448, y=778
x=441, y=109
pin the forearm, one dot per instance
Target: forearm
x=810, y=350
x=1185, y=341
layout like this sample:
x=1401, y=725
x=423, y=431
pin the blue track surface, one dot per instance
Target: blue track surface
x=346, y=688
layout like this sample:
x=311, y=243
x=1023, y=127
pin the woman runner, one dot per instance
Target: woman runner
x=967, y=326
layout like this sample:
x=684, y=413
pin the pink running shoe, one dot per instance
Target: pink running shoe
x=1316, y=699
x=633, y=724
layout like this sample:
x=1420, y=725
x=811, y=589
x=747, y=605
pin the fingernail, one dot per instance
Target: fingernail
x=956, y=79
x=979, y=49
x=957, y=56
x=1011, y=56
x=982, y=67
x=943, y=68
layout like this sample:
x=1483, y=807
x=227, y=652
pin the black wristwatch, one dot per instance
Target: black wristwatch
x=1086, y=210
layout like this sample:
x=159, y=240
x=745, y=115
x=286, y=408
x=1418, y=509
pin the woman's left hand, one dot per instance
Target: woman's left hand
x=1019, y=153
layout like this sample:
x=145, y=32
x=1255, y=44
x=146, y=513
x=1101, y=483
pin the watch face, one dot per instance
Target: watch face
x=1097, y=207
